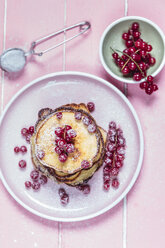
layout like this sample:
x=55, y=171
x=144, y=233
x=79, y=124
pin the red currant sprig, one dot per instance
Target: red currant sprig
x=148, y=85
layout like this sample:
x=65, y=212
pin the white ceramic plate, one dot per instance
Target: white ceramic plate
x=52, y=91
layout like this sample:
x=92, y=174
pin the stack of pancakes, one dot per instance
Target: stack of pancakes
x=88, y=146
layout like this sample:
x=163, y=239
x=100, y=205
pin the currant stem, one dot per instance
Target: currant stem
x=132, y=60
x=128, y=60
x=113, y=163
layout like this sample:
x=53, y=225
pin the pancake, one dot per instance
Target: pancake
x=88, y=146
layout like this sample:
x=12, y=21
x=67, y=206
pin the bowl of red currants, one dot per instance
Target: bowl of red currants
x=132, y=50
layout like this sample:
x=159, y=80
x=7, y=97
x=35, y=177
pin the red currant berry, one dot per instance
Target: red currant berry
x=91, y=106
x=68, y=140
x=150, y=79
x=135, y=26
x=149, y=90
x=57, y=139
x=64, y=199
x=119, y=164
x=117, y=61
x=70, y=148
x=130, y=31
x=120, y=157
x=136, y=34
x=152, y=61
x=126, y=51
x=112, y=124
x=129, y=43
x=115, y=55
x=59, y=131
x=138, y=44
x=24, y=131
x=67, y=127
x=121, y=64
x=28, y=184
x=62, y=143
x=78, y=115
x=106, y=169
x=36, y=185
x=31, y=129
x=120, y=141
x=109, y=154
x=22, y=164
x=43, y=179
x=28, y=137
x=71, y=133
x=149, y=48
x=136, y=57
x=85, y=164
x=125, y=70
x=114, y=171
x=115, y=183
x=124, y=57
x=120, y=150
x=91, y=128
x=16, y=149
x=86, y=120
x=108, y=161
x=34, y=175
x=143, y=85
x=143, y=45
x=111, y=147
x=84, y=188
x=58, y=150
x=61, y=192
x=132, y=66
x=40, y=154
x=63, y=157
x=155, y=87
x=59, y=115
x=125, y=36
x=142, y=66
x=106, y=177
x=106, y=186
x=23, y=149
x=137, y=76
x=143, y=53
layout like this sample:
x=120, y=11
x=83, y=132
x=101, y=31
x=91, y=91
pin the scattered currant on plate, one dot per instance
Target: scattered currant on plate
x=27, y=133
x=64, y=197
x=136, y=58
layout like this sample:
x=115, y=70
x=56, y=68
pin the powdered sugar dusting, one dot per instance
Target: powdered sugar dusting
x=46, y=201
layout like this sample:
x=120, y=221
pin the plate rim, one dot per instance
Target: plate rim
x=141, y=152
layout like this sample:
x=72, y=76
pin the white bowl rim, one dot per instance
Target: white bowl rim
x=124, y=80
x=141, y=142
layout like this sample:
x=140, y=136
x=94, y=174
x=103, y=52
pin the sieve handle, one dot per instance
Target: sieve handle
x=83, y=27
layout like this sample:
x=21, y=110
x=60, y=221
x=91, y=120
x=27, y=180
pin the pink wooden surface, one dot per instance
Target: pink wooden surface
x=137, y=222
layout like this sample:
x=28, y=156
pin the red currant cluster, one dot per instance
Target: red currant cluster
x=136, y=58
x=114, y=156
x=148, y=85
x=27, y=133
x=63, y=141
x=85, y=188
x=36, y=180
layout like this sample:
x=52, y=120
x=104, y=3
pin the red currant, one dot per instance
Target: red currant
x=135, y=26
x=16, y=149
x=137, y=76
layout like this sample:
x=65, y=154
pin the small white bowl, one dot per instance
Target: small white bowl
x=112, y=37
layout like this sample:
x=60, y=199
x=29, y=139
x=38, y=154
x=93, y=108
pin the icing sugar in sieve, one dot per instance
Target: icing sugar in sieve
x=14, y=59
